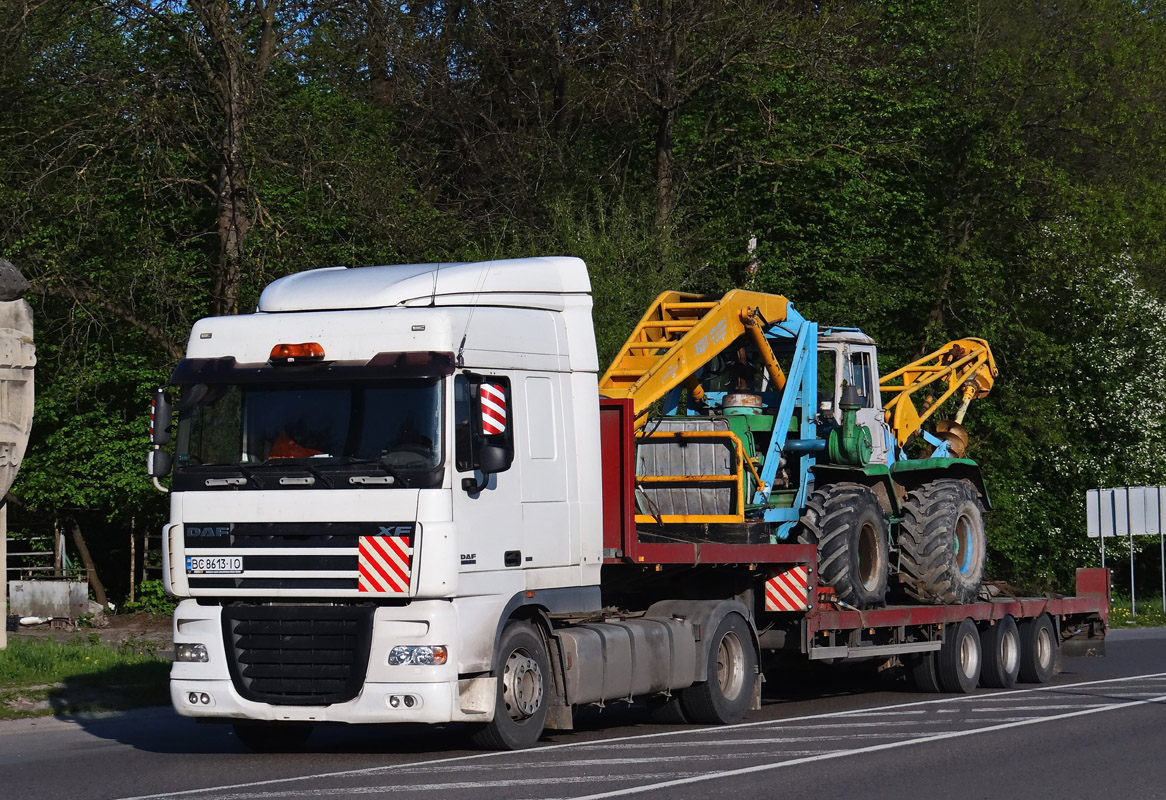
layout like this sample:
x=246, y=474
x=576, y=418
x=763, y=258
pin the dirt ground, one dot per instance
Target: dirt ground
x=114, y=629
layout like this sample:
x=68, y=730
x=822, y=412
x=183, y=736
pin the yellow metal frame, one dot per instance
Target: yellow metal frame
x=681, y=333
x=966, y=365
x=736, y=476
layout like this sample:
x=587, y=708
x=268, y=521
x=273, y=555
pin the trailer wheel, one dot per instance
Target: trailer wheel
x=1001, y=646
x=520, y=706
x=276, y=738
x=959, y=660
x=941, y=542
x=724, y=697
x=1038, y=650
x=848, y=526
x=924, y=673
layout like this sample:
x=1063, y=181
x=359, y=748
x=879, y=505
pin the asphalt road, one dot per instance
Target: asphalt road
x=1099, y=729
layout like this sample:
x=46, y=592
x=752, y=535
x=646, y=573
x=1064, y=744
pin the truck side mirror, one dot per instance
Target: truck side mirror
x=161, y=417
x=492, y=459
x=158, y=463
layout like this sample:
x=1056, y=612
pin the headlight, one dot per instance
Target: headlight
x=191, y=652
x=428, y=655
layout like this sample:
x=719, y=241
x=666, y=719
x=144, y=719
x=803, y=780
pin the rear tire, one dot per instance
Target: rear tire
x=941, y=543
x=520, y=705
x=724, y=697
x=959, y=660
x=924, y=673
x=274, y=738
x=848, y=526
x=1001, y=646
x=1038, y=650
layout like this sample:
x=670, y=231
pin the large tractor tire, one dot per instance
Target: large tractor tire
x=942, y=544
x=724, y=697
x=849, y=527
x=524, y=689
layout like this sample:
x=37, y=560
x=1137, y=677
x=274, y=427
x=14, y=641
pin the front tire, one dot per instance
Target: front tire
x=942, y=544
x=723, y=698
x=520, y=705
x=848, y=526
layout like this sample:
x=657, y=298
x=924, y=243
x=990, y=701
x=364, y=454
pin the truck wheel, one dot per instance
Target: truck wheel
x=520, y=706
x=280, y=738
x=923, y=673
x=732, y=669
x=959, y=660
x=848, y=526
x=1038, y=650
x=1001, y=646
x=941, y=542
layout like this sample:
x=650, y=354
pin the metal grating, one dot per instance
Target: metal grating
x=298, y=655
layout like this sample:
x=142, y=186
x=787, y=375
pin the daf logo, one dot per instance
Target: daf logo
x=208, y=531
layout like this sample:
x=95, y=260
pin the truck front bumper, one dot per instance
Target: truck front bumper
x=390, y=693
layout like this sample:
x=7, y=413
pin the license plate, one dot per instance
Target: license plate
x=214, y=565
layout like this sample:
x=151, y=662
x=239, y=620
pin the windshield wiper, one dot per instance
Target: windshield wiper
x=394, y=474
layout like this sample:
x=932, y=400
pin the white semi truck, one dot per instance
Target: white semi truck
x=396, y=496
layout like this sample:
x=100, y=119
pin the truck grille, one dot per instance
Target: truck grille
x=298, y=655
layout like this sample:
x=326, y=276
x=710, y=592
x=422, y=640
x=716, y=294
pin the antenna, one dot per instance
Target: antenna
x=473, y=307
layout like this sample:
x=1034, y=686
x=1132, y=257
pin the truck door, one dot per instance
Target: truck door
x=489, y=522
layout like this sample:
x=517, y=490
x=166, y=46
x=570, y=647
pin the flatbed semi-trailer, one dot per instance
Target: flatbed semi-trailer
x=397, y=499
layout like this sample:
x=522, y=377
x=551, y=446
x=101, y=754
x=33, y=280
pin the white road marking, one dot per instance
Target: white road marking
x=688, y=731
x=450, y=786
x=862, y=750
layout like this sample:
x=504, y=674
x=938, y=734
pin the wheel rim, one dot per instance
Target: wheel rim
x=965, y=545
x=522, y=683
x=1044, y=648
x=1010, y=652
x=730, y=669
x=868, y=556
x=969, y=656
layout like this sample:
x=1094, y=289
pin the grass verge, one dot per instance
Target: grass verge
x=1149, y=614
x=39, y=677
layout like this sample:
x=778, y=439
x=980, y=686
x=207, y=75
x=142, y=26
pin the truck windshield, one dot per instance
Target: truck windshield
x=395, y=423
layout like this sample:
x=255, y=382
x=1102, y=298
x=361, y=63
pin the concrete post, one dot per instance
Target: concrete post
x=17, y=359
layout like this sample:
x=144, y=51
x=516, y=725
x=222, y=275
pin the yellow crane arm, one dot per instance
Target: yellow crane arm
x=965, y=366
x=680, y=333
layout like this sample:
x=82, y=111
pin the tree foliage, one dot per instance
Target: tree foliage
x=924, y=170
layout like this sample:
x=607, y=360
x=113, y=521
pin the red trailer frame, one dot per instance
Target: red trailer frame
x=828, y=628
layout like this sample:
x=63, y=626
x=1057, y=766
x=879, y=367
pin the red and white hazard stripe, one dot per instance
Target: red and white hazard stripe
x=493, y=408
x=385, y=564
x=788, y=591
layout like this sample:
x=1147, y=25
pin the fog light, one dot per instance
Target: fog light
x=205, y=699
x=187, y=651
x=409, y=701
x=192, y=698
x=394, y=701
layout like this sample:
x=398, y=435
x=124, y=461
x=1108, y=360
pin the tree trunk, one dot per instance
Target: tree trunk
x=90, y=569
